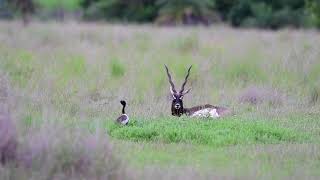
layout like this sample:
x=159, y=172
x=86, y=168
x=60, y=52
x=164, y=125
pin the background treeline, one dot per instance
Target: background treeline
x=271, y=14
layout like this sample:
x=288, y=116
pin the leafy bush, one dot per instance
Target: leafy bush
x=138, y=11
x=185, y=11
x=164, y=11
x=272, y=14
x=257, y=13
x=313, y=7
x=21, y=7
x=266, y=14
x=4, y=10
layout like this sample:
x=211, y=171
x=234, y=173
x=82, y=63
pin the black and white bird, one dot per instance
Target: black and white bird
x=124, y=118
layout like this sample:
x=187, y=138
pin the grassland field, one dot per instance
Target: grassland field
x=74, y=74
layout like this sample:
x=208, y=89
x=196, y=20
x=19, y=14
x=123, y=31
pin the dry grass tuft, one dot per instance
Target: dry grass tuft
x=53, y=150
x=8, y=141
x=257, y=95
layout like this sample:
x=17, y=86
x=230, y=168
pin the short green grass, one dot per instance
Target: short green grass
x=286, y=146
x=275, y=161
x=216, y=133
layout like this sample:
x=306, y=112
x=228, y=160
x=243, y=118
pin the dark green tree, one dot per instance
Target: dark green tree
x=272, y=14
x=185, y=11
x=137, y=11
x=313, y=7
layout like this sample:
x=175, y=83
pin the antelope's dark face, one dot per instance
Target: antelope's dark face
x=177, y=103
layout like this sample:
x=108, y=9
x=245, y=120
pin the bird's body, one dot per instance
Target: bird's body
x=124, y=118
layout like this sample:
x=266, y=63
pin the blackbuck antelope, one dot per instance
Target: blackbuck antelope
x=124, y=118
x=177, y=108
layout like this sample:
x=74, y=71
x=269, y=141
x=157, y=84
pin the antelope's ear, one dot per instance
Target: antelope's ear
x=172, y=91
x=173, y=97
x=186, y=92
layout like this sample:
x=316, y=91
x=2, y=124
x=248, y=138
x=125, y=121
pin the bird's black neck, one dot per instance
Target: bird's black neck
x=123, y=109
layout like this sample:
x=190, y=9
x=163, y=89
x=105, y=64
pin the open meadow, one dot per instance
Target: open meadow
x=61, y=83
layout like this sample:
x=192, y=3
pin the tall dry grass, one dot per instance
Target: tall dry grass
x=86, y=69
x=54, y=151
x=63, y=81
x=51, y=150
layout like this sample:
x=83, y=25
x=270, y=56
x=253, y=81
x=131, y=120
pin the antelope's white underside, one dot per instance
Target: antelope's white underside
x=208, y=112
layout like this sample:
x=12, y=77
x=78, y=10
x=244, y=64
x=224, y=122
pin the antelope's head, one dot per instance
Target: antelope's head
x=177, y=103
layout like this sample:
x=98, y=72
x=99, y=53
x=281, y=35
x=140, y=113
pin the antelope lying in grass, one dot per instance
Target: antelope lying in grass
x=177, y=108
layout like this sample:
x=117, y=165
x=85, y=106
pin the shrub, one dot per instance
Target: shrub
x=184, y=11
x=257, y=13
x=23, y=7
x=138, y=11
x=313, y=7
x=266, y=14
x=240, y=12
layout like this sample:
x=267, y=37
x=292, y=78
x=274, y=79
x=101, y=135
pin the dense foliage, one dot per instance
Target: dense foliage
x=138, y=11
x=249, y=13
x=268, y=14
x=22, y=7
x=314, y=8
x=272, y=14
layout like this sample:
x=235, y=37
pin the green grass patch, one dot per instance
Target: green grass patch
x=186, y=44
x=215, y=133
x=65, y=4
x=281, y=160
x=117, y=68
x=245, y=69
x=314, y=74
x=73, y=68
x=20, y=67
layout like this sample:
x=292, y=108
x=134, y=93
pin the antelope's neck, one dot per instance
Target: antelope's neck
x=177, y=112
